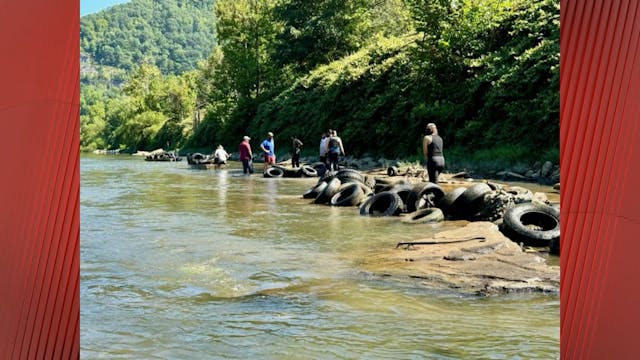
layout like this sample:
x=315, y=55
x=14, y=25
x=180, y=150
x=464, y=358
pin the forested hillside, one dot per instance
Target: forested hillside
x=487, y=72
x=171, y=34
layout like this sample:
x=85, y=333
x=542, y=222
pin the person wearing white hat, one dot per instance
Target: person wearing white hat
x=244, y=149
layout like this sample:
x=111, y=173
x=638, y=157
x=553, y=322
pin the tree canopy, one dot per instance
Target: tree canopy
x=487, y=72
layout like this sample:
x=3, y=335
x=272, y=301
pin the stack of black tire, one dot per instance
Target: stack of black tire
x=418, y=201
x=346, y=187
x=520, y=218
x=277, y=171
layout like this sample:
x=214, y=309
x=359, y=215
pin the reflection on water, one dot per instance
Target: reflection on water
x=179, y=263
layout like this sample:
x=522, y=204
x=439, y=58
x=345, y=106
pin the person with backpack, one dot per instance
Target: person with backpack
x=334, y=150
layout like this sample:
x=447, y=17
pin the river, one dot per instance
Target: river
x=204, y=264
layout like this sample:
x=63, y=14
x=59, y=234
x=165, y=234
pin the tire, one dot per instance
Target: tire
x=314, y=191
x=327, y=176
x=392, y=171
x=369, y=181
x=404, y=191
x=532, y=224
x=197, y=158
x=291, y=173
x=365, y=189
x=348, y=195
x=273, y=172
x=347, y=175
x=424, y=195
x=319, y=167
x=328, y=192
x=424, y=216
x=470, y=201
x=308, y=171
x=382, y=204
x=449, y=198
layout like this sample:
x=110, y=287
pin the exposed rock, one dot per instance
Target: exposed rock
x=540, y=197
x=546, y=169
x=511, y=176
x=483, y=262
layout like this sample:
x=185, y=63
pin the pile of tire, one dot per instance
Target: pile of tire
x=277, y=171
x=519, y=217
x=345, y=187
x=399, y=197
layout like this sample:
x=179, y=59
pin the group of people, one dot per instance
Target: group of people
x=331, y=147
x=267, y=146
x=246, y=155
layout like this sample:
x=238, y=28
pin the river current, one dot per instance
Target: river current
x=179, y=263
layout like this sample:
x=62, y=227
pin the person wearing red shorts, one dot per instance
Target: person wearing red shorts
x=268, y=147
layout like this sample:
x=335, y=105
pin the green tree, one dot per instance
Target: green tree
x=246, y=31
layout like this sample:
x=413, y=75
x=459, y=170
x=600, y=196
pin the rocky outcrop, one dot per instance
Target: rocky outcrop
x=476, y=259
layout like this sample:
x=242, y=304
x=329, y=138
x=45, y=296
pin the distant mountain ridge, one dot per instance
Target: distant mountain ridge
x=171, y=34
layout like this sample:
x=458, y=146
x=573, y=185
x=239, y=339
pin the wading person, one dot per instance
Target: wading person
x=432, y=150
x=220, y=157
x=268, y=147
x=323, y=147
x=244, y=149
x=296, y=146
x=334, y=149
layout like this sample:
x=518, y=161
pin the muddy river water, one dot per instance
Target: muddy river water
x=179, y=263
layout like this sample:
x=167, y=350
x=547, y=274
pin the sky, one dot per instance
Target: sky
x=92, y=6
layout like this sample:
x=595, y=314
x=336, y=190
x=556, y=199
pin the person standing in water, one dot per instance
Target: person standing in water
x=268, y=147
x=244, y=149
x=220, y=157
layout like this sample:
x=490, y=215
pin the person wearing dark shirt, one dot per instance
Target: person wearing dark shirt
x=296, y=146
x=334, y=149
x=432, y=145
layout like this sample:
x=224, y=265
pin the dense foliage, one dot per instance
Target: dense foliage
x=376, y=70
x=172, y=34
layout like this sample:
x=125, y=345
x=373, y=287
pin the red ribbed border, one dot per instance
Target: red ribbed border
x=600, y=212
x=39, y=215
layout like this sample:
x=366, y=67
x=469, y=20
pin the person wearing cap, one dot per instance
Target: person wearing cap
x=244, y=150
x=432, y=150
x=220, y=157
x=268, y=147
